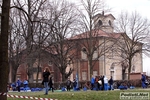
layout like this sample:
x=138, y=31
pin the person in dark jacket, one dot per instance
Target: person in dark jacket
x=102, y=79
x=96, y=82
x=46, y=74
x=68, y=83
x=111, y=83
x=51, y=83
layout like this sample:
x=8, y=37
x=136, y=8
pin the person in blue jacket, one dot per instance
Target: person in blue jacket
x=25, y=83
x=92, y=82
x=74, y=84
x=18, y=84
x=143, y=79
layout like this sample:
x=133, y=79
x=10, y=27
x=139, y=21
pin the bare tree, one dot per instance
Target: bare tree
x=43, y=34
x=63, y=19
x=134, y=40
x=4, y=67
x=41, y=29
x=16, y=44
x=92, y=33
x=29, y=12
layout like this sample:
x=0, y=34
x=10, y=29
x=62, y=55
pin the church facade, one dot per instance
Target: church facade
x=110, y=63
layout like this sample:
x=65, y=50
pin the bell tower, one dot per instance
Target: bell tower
x=104, y=22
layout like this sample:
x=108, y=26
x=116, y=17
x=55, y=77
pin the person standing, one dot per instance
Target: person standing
x=143, y=79
x=68, y=84
x=51, y=83
x=74, y=84
x=100, y=83
x=92, y=82
x=96, y=82
x=25, y=83
x=111, y=83
x=46, y=74
x=105, y=83
x=18, y=84
x=102, y=79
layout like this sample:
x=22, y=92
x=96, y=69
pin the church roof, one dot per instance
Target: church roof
x=96, y=33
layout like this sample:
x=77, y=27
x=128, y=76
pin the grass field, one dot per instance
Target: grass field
x=78, y=95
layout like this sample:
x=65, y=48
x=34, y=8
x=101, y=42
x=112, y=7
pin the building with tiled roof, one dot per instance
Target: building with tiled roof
x=110, y=64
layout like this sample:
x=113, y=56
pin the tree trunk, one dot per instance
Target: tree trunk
x=63, y=78
x=91, y=70
x=123, y=74
x=14, y=72
x=30, y=61
x=38, y=66
x=129, y=69
x=63, y=74
x=30, y=73
x=4, y=67
x=14, y=66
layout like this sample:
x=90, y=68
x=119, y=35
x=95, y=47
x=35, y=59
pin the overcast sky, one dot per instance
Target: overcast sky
x=142, y=7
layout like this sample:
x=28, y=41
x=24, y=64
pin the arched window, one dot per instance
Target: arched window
x=100, y=23
x=95, y=55
x=84, y=75
x=133, y=69
x=112, y=70
x=50, y=63
x=84, y=50
x=109, y=22
x=83, y=53
x=112, y=66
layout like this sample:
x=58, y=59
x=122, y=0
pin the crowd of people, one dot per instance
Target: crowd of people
x=15, y=86
x=48, y=83
x=144, y=80
x=101, y=83
x=96, y=83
